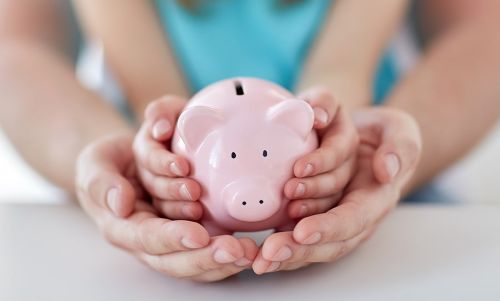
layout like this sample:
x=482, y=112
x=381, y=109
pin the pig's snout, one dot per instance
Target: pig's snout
x=251, y=200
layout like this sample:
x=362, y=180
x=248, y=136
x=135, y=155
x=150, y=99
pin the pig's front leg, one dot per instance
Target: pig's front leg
x=215, y=230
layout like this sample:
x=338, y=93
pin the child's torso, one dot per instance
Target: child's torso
x=224, y=38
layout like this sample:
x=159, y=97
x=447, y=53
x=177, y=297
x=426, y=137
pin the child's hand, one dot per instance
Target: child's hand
x=321, y=175
x=163, y=173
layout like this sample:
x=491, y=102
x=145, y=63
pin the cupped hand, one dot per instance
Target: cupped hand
x=163, y=173
x=322, y=175
x=388, y=154
x=108, y=190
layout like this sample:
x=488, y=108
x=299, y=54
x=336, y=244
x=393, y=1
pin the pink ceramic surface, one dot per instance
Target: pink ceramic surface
x=242, y=137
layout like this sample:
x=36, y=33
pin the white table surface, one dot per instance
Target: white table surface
x=421, y=252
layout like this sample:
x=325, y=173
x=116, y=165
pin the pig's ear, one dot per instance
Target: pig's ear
x=295, y=114
x=196, y=123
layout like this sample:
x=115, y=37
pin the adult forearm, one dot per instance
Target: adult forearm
x=346, y=54
x=46, y=113
x=454, y=94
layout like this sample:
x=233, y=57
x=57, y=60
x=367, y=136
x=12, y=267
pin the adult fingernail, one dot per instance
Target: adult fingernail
x=175, y=169
x=242, y=262
x=283, y=254
x=308, y=170
x=392, y=164
x=223, y=256
x=273, y=267
x=190, y=244
x=320, y=115
x=112, y=200
x=299, y=190
x=184, y=191
x=314, y=238
x=160, y=128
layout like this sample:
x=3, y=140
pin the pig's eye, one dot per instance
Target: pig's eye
x=264, y=153
x=233, y=155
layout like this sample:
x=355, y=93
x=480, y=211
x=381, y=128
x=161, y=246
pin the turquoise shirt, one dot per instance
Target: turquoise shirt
x=259, y=38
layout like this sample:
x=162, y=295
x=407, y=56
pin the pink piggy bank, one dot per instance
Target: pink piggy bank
x=242, y=137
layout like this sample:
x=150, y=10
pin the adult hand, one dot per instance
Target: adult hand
x=108, y=190
x=387, y=157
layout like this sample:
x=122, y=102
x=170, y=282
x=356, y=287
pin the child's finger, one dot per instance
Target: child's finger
x=155, y=157
x=179, y=189
x=323, y=103
x=162, y=115
x=179, y=209
x=321, y=185
x=307, y=207
x=338, y=143
x=222, y=250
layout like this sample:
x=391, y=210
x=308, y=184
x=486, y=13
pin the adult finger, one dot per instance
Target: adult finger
x=359, y=210
x=222, y=250
x=145, y=232
x=327, y=252
x=179, y=209
x=281, y=252
x=228, y=270
x=100, y=178
x=399, y=144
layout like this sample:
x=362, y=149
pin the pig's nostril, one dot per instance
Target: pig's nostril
x=261, y=202
x=243, y=203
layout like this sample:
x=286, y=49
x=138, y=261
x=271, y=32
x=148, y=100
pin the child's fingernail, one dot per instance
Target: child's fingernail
x=174, y=168
x=308, y=170
x=302, y=211
x=223, y=256
x=314, y=238
x=187, y=212
x=184, y=191
x=283, y=254
x=320, y=115
x=160, y=128
x=299, y=190
x=243, y=262
x=190, y=244
x=392, y=164
x=112, y=199
x=273, y=267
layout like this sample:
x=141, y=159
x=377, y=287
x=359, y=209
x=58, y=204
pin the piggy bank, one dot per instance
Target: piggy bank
x=242, y=137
